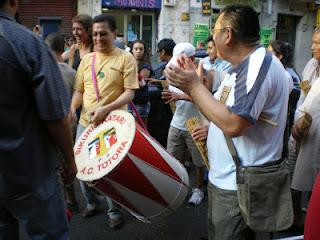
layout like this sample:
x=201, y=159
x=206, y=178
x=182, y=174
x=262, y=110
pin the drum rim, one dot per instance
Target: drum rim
x=97, y=176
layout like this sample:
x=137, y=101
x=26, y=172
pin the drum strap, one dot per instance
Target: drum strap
x=94, y=77
x=96, y=88
x=138, y=115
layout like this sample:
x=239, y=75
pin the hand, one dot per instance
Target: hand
x=152, y=80
x=184, y=75
x=68, y=172
x=142, y=83
x=98, y=115
x=200, y=133
x=296, y=130
x=72, y=117
x=170, y=96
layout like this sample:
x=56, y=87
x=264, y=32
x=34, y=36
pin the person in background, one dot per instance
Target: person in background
x=283, y=52
x=307, y=163
x=201, y=44
x=179, y=139
x=215, y=68
x=115, y=85
x=69, y=40
x=141, y=98
x=160, y=115
x=37, y=30
x=55, y=42
x=34, y=104
x=82, y=31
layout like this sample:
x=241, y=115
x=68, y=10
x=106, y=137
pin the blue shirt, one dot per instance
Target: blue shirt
x=260, y=143
x=32, y=92
x=218, y=64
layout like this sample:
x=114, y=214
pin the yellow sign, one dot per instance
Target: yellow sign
x=185, y=17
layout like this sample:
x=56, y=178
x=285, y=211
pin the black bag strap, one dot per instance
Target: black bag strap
x=232, y=149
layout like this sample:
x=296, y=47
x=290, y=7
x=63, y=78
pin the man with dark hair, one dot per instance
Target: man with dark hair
x=255, y=85
x=214, y=65
x=34, y=106
x=55, y=42
x=165, y=49
x=115, y=86
x=160, y=115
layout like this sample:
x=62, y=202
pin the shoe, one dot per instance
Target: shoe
x=115, y=223
x=89, y=212
x=196, y=197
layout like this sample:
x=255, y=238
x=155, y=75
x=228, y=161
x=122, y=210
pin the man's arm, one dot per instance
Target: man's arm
x=100, y=113
x=186, y=78
x=76, y=102
x=60, y=132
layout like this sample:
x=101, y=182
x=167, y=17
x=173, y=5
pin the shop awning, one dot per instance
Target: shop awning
x=138, y=4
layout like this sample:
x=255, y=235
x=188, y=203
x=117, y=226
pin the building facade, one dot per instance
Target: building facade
x=292, y=21
x=51, y=15
x=135, y=19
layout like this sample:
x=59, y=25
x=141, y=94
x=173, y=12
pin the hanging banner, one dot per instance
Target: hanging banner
x=144, y=4
x=206, y=7
x=265, y=36
x=201, y=32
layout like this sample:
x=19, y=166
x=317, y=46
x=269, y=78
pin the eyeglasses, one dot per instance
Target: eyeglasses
x=214, y=30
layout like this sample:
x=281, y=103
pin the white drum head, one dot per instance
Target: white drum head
x=99, y=150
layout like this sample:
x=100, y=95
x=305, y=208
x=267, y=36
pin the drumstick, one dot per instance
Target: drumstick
x=191, y=123
x=165, y=86
x=264, y=119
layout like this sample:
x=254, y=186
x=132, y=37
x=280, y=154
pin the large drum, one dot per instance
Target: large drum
x=121, y=160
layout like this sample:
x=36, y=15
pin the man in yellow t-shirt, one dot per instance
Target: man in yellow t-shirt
x=113, y=87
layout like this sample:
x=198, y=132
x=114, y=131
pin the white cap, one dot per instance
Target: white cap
x=184, y=48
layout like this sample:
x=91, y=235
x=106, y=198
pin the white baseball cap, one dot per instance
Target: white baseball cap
x=184, y=48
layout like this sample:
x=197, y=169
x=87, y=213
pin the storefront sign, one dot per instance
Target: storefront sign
x=185, y=17
x=146, y=4
x=265, y=36
x=206, y=7
x=201, y=32
x=227, y=2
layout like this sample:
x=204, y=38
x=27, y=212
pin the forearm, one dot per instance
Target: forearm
x=122, y=100
x=76, y=102
x=216, y=111
x=60, y=132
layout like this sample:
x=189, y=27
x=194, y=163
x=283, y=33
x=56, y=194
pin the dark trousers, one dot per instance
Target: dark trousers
x=41, y=213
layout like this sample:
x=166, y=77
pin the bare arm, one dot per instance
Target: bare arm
x=186, y=78
x=60, y=132
x=100, y=113
x=76, y=101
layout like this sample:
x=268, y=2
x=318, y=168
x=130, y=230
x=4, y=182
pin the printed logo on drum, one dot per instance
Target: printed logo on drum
x=102, y=143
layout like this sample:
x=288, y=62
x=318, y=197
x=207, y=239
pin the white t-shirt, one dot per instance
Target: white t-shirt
x=260, y=143
x=184, y=111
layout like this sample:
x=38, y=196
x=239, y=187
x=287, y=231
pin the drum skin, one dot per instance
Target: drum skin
x=133, y=169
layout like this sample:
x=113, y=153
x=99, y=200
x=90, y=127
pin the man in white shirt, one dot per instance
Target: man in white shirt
x=236, y=36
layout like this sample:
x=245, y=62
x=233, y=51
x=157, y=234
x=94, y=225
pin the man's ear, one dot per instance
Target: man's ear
x=228, y=36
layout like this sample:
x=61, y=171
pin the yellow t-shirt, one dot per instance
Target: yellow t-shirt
x=115, y=71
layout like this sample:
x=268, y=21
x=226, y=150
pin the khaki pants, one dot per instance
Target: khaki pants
x=225, y=221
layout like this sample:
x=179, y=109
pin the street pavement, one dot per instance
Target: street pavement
x=187, y=223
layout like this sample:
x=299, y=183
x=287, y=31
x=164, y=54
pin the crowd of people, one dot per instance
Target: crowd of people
x=257, y=115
